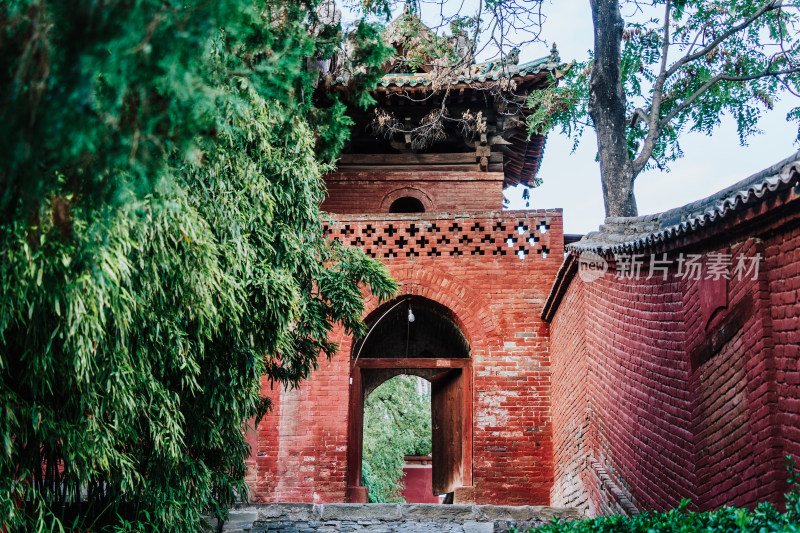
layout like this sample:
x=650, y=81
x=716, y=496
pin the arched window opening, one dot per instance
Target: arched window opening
x=407, y=204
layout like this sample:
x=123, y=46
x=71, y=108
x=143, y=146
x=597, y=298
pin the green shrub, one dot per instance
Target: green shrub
x=763, y=519
x=161, y=250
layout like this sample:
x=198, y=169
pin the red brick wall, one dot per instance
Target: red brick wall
x=444, y=192
x=466, y=265
x=782, y=255
x=569, y=394
x=664, y=390
x=301, y=450
x=637, y=402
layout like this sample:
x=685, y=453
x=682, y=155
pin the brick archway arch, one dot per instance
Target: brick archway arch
x=470, y=311
x=452, y=396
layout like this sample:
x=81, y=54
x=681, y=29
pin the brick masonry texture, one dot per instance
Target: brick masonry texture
x=442, y=192
x=496, y=292
x=676, y=388
x=389, y=518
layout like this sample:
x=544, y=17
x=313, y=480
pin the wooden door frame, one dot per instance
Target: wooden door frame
x=355, y=429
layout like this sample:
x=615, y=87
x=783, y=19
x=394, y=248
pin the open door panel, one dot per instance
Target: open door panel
x=447, y=417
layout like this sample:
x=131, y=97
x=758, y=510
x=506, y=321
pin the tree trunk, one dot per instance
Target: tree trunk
x=607, y=109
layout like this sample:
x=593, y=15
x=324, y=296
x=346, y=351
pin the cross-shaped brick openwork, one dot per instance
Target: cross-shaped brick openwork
x=451, y=238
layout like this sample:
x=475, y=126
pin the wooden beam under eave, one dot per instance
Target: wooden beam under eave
x=412, y=362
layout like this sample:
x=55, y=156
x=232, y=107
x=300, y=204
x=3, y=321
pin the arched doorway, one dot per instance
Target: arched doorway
x=417, y=336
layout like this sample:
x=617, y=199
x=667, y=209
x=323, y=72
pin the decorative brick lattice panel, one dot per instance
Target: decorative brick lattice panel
x=516, y=237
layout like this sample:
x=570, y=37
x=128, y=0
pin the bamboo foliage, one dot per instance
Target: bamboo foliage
x=162, y=250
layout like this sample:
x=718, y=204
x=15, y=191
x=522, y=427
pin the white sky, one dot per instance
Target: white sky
x=572, y=180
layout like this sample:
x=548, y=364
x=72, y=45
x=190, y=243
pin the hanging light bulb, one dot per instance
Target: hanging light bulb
x=410, y=314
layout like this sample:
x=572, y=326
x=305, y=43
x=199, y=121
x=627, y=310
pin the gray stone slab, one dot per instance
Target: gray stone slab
x=294, y=512
x=432, y=511
x=242, y=516
x=545, y=513
x=360, y=511
x=504, y=512
x=389, y=518
x=471, y=526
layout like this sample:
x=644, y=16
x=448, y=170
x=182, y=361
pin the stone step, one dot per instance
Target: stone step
x=389, y=518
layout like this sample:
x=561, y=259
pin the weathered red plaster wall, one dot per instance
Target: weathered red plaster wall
x=664, y=390
x=738, y=458
x=466, y=265
x=417, y=482
x=447, y=192
x=301, y=450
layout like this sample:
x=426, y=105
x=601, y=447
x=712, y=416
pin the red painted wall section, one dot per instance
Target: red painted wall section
x=301, y=450
x=417, y=481
x=738, y=458
x=496, y=292
x=680, y=388
x=638, y=425
x=446, y=192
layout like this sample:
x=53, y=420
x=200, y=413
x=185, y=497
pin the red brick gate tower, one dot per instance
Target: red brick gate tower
x=474, y=277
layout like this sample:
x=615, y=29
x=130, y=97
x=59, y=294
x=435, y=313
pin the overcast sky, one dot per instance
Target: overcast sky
x=572, y=180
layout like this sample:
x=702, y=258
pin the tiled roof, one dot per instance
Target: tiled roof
x=635, y=234
x=487, y=72
x=481, y=73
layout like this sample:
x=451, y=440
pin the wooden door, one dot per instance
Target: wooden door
x=447, y=417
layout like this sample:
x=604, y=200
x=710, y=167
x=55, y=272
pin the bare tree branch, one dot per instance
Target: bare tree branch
x=658, y=93
x=772, y=5
x=716, y=79
x=639, y=114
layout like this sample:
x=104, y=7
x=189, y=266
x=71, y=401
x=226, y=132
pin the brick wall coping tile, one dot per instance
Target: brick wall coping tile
x=508, y=213
x=752, y=197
